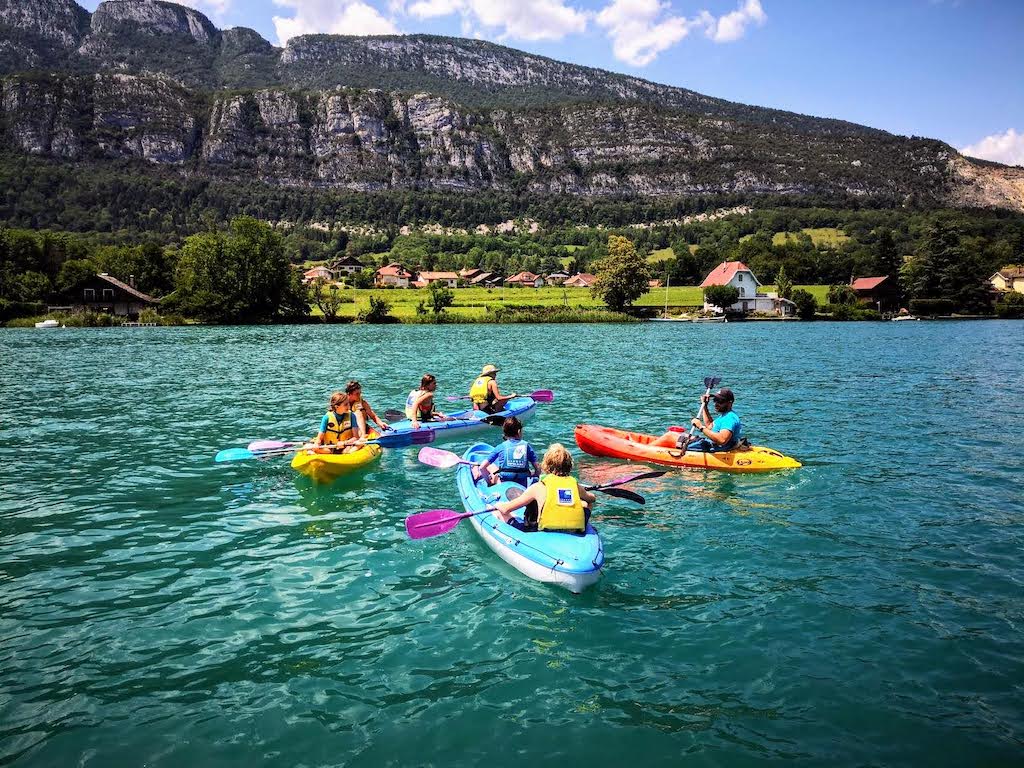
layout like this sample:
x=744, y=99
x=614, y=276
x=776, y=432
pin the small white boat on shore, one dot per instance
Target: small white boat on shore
x=904, y=318
x=48, y=324
x=716, y=319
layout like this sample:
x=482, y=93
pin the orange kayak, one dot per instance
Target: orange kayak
x=661, y=449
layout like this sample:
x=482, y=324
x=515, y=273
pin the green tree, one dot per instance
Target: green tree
x=378, y=312
x=74, y=272
x=806, y=304
x=722, y=296
x=783, y=285
x=841, y=294
x=327, y=298
x=622, y=276
x=239, y=276
x=441, y=298
x=31, y=286
x=1011, y=305
x=363, y=278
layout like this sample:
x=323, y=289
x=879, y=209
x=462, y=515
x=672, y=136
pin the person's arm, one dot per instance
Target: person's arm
x=416, y=409
x=483, y=465
x=498, y=397
x=587, y=496
x=721, y=437
x=705, y=415
x=322, y=433
x=369, y=415
x=506, y=508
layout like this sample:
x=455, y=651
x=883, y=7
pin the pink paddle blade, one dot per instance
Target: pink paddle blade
x=433, y=522
x=435, y=457
x=542, y=396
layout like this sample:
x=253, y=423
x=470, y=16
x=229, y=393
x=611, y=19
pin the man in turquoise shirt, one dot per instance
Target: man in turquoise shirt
x=721, y=434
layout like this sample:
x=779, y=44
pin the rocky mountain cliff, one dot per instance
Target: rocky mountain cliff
x=157, y=82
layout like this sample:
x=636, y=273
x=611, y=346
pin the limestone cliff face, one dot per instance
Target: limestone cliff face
x=155, y=81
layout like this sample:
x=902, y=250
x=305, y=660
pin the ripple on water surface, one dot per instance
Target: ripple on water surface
x=161, y=609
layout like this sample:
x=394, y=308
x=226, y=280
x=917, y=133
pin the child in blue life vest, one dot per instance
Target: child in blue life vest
x=510, y=461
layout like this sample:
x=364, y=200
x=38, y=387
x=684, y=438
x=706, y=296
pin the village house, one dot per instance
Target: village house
x=447, y=279
x=739, y=276
x=556, y=278
x=346, y=265
x=1009, y=278
x=580, y=280
x=879, y=293
x=469, y=274
x=525, y=280
x=103, y=293
x=487, y=280
x=317, y=273
x=395, y=275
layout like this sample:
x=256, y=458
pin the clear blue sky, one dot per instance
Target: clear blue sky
x=948, y=69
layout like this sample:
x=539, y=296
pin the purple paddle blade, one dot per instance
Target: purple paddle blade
x=542, y=396
x=433, y=522
x=436, y=457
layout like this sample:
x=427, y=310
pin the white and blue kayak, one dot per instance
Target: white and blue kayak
x=466, y=422
x=569, y=560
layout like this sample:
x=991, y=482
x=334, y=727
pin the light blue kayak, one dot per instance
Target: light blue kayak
x=466, y=422
x=569, y=560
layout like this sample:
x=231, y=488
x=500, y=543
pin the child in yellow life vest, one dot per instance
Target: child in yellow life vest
x=557, y=502
x=337, y=426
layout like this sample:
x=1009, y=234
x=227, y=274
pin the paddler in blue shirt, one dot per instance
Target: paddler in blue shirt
x=721, y=434
x=510, y=461
x=484, y=391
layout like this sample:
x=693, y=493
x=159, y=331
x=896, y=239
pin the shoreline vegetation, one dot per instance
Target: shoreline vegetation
x=248, y=271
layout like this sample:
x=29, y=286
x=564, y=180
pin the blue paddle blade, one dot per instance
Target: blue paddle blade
x=234, y=454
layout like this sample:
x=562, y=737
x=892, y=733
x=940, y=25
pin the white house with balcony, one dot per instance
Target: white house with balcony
x=738, y=275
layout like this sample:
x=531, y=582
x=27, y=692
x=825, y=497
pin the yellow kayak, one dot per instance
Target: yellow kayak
x=327, y=467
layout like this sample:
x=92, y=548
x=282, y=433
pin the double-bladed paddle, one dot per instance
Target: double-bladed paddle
x=540, y=396
x=384, y=441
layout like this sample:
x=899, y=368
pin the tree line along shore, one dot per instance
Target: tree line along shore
x=249, y=271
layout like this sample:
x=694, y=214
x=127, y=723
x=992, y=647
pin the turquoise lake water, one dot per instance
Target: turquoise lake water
x=159, y=609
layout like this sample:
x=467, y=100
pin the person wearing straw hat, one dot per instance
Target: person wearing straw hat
x=484, y=391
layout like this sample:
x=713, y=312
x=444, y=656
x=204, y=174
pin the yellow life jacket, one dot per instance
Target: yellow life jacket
x=563, y=507
x=480, y=392
x=340, y=427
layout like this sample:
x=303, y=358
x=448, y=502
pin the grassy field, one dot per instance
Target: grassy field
x=830, y=237
x=660, y=255
x=474, y=302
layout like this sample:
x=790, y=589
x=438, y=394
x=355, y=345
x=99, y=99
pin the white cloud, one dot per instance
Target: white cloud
x=642, y=29
x=1005, y=148
x=732, y=26
x=339, y=17
x=520, y=19
x=637, y=33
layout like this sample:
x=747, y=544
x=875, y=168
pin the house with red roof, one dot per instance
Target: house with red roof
x=879, y=293
x=525, y=280
x=739, y=276
x=317, y=273
x=395, y=275
x=580, y=280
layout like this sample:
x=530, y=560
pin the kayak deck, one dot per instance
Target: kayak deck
x=636, y=446
x=567, y=560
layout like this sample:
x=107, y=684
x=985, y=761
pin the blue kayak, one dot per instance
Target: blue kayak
x=569, y=560
x=466, y=422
